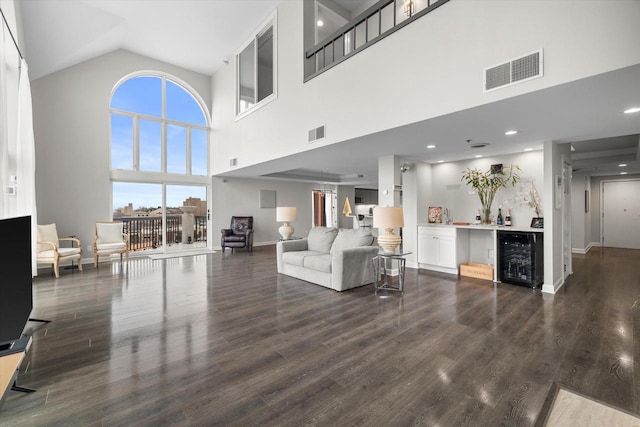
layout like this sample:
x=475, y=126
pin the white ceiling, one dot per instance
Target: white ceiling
x=201, y=34
x=194, y=34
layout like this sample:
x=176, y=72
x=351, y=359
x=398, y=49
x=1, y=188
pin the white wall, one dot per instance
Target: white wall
x=580, y=220
x=554, y=157
x=71, y=125
x=417, y=188
x=240, y=197
x=444, y=66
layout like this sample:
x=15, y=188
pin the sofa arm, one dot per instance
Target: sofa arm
x=289, y=246
x=352, y=267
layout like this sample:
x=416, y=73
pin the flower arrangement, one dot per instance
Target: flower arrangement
x=486, y=184
x=529, y=197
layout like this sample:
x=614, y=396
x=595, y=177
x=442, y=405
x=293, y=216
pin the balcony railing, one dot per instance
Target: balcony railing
x=371, y=26
x=146, y=232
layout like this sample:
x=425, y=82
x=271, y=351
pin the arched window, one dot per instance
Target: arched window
x=159, y=162
x=157, y=125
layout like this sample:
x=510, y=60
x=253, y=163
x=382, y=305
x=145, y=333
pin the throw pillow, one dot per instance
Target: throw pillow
x=352, y=238
x=320, y=239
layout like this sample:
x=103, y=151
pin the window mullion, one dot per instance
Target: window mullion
x=163, y=142
x=255, y=70
x=136, y=143
x=188, y=146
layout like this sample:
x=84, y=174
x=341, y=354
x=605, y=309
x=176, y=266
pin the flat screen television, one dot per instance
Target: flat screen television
x=16, y=299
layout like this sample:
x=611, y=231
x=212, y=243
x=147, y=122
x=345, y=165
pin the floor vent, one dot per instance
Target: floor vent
x=317, y=133
x=515, y=71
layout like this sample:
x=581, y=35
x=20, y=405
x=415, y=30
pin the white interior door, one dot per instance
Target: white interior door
x=621, y=214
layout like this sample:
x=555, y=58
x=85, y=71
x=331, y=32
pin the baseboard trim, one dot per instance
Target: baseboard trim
x=552, y=289
x=585, y=250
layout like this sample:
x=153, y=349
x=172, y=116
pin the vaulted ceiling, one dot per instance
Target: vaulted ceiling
x=200, y=34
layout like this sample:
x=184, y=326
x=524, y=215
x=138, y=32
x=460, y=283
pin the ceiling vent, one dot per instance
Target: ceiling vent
x=479, y=145
x=317, y=133
x=515, y=71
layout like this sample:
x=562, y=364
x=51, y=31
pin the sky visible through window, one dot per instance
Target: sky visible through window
x=141, y=97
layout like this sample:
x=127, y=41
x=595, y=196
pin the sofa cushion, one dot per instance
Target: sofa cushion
x=297, y=257
x=318, y=263
x=352, y=238
x=320, y=239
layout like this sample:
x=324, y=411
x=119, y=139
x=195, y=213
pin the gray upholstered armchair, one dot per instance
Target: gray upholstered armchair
x=240, y=235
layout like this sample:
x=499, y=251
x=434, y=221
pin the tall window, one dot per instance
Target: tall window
x=256, y=69
x=159, y=163
x=157, y=126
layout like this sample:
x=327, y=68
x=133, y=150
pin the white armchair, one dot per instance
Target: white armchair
x=110, y=239
x=50, y=252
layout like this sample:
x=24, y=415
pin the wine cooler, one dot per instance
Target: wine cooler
x=520, y=258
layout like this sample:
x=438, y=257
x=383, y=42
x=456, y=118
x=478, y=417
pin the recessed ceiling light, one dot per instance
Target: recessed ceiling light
x=621, y=165
x=511, y=132
x=478, y=156
x=528, y=149
x=632, y=110
x=320, y=23
x=440, y=161
x=431, y=146
x=623, y=173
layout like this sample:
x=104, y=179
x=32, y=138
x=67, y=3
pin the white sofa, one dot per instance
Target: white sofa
x=337, y=259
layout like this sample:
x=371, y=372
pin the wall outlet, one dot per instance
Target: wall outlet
x=490, y=254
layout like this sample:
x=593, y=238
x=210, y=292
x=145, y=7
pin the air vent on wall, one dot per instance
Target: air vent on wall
x=317, y=133
x=515, y=71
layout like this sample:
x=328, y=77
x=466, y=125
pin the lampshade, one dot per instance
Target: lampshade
x=388, y=217
x=285, y=214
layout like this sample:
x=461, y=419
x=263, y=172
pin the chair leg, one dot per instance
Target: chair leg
x=56, y=270
x=95, y=260
x=80, y=264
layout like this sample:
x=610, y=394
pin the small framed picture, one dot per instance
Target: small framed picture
x=537, y=222
x=435, y=215
x=496, y=169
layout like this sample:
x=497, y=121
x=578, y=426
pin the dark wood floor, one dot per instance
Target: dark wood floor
x=223, y=340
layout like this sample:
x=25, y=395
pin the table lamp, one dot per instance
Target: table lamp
x=388, y=217
x=285, y=214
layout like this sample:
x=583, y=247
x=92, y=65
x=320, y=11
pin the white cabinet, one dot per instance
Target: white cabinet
x=442, y=248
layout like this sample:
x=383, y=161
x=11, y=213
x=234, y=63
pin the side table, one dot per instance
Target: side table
x=381, y=270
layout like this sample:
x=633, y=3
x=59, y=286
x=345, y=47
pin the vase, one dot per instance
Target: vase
x=486, y=215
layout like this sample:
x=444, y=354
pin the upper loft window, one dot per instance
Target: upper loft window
x=158, y=125
x=256, y=70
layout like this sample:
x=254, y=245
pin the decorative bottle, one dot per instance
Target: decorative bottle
x=507, y=219
x=478, y=218
x=499, y=220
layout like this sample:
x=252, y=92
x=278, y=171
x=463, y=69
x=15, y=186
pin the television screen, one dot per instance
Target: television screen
x=15, y=267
